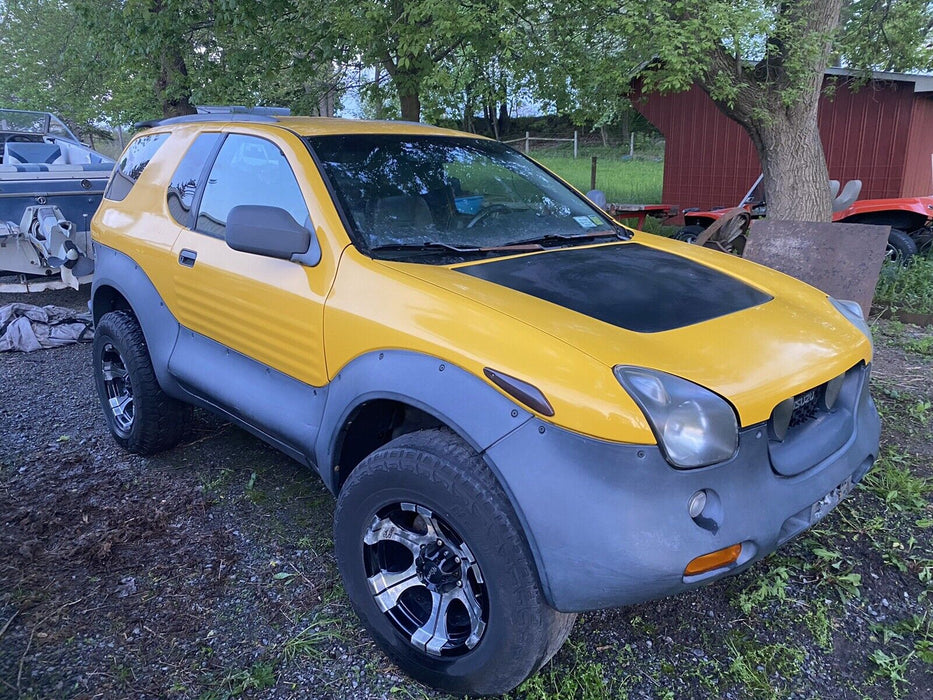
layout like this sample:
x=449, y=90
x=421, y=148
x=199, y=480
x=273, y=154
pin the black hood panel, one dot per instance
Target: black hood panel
x=630, y=286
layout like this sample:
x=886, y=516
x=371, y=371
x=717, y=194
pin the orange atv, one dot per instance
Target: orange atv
x=910, y=218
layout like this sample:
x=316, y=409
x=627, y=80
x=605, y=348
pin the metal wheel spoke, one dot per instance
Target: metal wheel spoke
x=388, y=586
x=466, y=596
x=120, y=404
x=112, y=371
x=432, y=635
x=384, y=529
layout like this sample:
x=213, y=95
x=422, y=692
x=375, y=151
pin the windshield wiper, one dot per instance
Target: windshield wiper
x=564, y=237
x=437, y=246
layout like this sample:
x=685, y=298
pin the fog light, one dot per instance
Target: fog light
x=713, y=560
x=696, y=504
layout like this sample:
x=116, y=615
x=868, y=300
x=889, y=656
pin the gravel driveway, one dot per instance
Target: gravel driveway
x=208, y=572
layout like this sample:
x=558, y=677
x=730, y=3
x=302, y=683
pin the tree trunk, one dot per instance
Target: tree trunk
x=796, y=180
x=776, y=103
x=625, y=123
x=172, y=84
x=411, y=105
x=503, y=118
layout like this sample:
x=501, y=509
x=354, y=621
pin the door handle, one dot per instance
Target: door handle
x=187, y=257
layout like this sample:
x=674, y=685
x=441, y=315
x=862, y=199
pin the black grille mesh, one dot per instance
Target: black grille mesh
x=806, y=406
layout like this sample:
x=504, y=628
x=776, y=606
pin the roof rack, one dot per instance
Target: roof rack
x=221, y=113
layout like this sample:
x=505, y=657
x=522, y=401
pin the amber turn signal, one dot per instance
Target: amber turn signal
x=713, y=560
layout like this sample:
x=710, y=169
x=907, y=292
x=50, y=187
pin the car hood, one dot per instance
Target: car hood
x=749, y=333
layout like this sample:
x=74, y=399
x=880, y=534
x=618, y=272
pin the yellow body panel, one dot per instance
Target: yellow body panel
x=378, y=305
x=311, y=322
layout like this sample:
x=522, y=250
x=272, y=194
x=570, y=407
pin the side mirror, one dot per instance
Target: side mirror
x=271, y=231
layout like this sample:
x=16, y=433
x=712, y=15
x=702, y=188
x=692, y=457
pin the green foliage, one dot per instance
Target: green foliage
x=51, y=62
x=583, y=681
x=908, y=288
x=894, y=482
x=762, y=668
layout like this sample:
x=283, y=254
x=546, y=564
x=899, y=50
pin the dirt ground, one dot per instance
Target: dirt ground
x=208, y=572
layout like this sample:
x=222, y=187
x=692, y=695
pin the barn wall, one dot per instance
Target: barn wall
x=710, y=160
x=865, y=131
x=918, y=176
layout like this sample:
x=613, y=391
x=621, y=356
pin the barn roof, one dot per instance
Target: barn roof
x=923, y=82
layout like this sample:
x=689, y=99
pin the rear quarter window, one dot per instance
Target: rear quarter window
x=135, y=159
x=188, y=177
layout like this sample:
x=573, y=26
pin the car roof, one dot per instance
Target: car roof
x=321, y=126
x=308, y=126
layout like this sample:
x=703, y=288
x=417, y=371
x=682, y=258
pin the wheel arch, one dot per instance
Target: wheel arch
x=120, y=283
x=394, y=392
x=906, y=221
x=107, y=298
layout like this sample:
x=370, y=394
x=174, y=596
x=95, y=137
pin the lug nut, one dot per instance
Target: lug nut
x=456, y=560
x=440, y=543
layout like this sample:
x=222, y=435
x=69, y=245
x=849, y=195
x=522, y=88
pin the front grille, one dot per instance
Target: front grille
x=806, y=406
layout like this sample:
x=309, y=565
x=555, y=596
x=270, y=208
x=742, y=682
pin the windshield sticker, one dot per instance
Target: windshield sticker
x=596, y=220
x=585, y=222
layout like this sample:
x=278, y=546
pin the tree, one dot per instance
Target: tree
x=408, y=39
x=761, y=62
x=51, y=62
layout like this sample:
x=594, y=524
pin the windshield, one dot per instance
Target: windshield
x=401, y=192
x=20, y=121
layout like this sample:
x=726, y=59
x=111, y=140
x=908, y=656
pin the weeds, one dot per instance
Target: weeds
x=259, y=676
x=754, y=665
x=582, y=681
x=908, y=641
x=308, y=641
x=907, y=287
x=894, y=483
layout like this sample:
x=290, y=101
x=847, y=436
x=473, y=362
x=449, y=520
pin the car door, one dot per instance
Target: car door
x=252, y=338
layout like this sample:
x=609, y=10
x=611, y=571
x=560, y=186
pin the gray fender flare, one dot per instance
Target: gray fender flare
x=117, y=270
x=473, y=409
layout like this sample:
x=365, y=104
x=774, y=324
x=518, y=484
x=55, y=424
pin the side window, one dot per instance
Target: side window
x=135, y=159
x=188, y=177
x=248, y=170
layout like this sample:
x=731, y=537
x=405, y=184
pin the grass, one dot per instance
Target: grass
x=623, y=181
x=908, y=288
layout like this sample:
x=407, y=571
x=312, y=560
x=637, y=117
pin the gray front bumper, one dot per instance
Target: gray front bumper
x=608, y=522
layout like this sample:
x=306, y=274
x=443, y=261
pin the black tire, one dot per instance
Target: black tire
x=688, y=234
x=141, y=417
x=901, y=247
x=455, y=494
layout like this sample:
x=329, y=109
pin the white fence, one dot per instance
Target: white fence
x=529, y=138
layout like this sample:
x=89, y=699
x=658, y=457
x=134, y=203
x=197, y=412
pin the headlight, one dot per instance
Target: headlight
x=852, y=310
x=694, y=426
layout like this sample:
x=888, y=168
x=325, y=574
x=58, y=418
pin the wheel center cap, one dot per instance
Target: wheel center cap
x=438, y=566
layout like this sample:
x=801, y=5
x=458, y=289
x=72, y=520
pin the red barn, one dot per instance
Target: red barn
x=880, y=132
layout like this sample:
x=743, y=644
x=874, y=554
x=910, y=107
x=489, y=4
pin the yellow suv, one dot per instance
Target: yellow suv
x=524, y=409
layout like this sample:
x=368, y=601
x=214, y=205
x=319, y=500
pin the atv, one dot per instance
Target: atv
x=910, y=218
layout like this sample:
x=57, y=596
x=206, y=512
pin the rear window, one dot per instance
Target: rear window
x=187, y=178
x=135, y=159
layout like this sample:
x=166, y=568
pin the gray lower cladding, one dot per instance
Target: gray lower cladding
x=609, y=522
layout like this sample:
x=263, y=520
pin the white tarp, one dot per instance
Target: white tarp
x=25, y=327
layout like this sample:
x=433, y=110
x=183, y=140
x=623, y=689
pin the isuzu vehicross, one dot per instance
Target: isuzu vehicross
x=524, y=409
